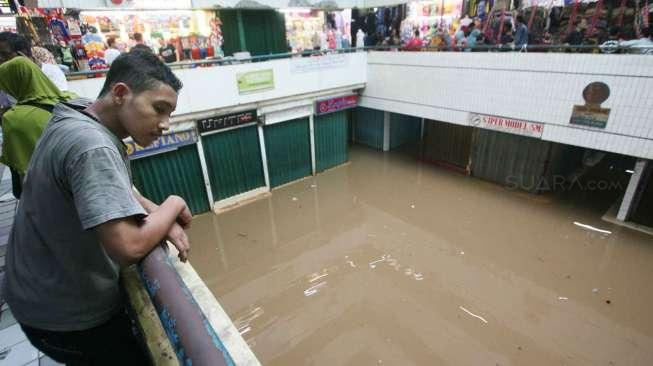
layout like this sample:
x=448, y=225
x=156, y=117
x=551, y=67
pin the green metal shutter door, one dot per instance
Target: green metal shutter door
x=288, y=151
x=231, y=42
x=404, y=129
x=510, y=160
x=330, y=140
x=368, y=129
x=447, y=142
x=233, y=159
x=265, y=32
x=173, y=173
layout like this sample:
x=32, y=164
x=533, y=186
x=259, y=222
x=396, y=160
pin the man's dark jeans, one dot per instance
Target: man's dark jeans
x=112, y=343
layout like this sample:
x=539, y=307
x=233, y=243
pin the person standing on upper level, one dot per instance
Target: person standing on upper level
x=112, y=52
x=139, y=44
x=521, y=33
x=415, y=43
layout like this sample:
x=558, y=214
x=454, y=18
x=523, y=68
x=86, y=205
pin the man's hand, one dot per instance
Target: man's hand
x=178, y=238
x=184, y=219
x=176, y=234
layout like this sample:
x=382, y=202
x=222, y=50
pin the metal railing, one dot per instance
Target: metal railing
x=564, y=48
x=193, y=339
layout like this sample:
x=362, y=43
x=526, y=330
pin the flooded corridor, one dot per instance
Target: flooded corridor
x=389, y=261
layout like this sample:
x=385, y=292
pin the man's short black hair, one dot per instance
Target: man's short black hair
x=520, y=19
x=16, y=43
x=141, y=71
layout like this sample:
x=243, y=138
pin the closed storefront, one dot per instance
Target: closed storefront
x=509, y=160
x=233, y=154
x=447, y=144
x=523, y=162
x=171, y=166
x=330, y=140
x=288, y=151
x=404, y=130
x=368, y=127
x=331, y=130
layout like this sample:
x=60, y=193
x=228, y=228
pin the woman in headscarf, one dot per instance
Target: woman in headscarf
x=23, y=124
x=44, y=58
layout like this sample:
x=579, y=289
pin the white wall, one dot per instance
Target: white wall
x=208, y=88
x=539, y=87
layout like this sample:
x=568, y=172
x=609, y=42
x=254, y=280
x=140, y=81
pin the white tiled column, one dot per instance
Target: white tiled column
x=635, y=178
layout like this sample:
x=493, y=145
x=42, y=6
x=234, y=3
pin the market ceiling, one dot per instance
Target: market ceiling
x=212, y=4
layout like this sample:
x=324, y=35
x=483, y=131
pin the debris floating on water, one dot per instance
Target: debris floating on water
x=472, y=314
x=592, y=228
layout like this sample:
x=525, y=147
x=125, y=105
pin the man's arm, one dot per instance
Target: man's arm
x=127, y=240
x=176, y=234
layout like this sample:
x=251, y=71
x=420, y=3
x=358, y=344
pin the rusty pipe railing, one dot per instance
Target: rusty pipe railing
x=192, y=336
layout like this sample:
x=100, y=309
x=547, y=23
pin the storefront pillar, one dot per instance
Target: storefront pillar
x=386, y=131
x=205, y=172
x=264, y=156
x=630, y=197
x=311, y=127
x=421, y=139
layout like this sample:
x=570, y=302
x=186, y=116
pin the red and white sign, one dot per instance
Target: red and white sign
x=508, y=125
x=335, y=104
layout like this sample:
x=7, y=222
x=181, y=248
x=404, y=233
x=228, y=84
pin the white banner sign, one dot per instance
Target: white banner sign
x=508, y=125
x=318, y=63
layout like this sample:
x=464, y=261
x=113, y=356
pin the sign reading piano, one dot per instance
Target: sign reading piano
x=168, y=142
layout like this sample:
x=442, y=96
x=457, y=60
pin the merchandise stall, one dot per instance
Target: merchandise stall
x=339, y=26
x=55, y=29
x=301, y=27
x=593, y=18
x=426, y=15
x=196, y=34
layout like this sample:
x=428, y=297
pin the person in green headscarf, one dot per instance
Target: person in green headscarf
x=23, y=124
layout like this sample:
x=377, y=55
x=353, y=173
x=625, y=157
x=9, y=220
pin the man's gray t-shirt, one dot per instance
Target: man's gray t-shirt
x=58, y=275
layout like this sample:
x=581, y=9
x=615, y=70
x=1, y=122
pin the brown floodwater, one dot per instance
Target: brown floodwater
x=389, y=261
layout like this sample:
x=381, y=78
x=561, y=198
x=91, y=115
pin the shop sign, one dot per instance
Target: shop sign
x=255, y=81
x=226, y=121
x=509, y=125
x=591, y=114
x=168, y=142
x=335, y=104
